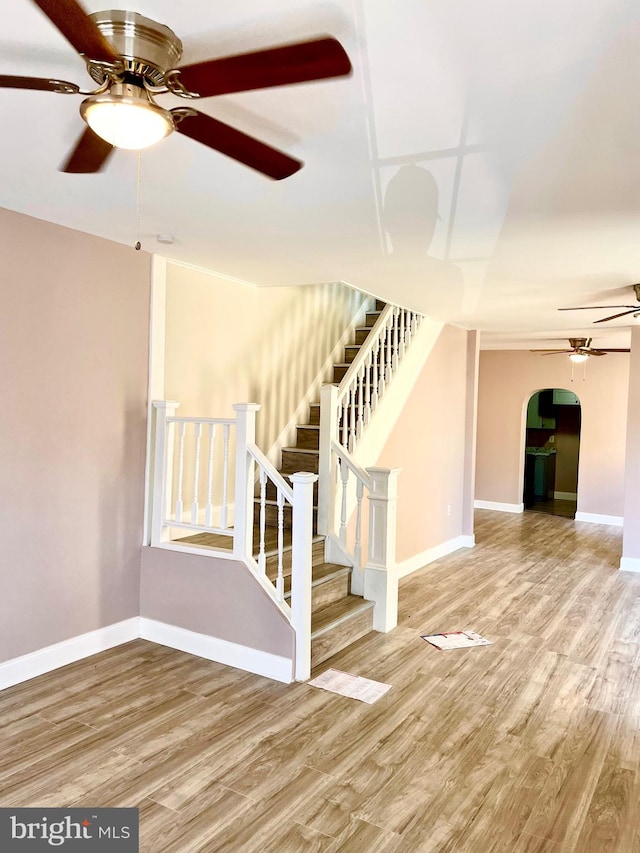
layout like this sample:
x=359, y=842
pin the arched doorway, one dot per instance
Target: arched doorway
x=552, y=451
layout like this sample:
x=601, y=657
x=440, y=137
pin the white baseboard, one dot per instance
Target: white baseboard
x=596, y=518
x=44, y=660
x=231, y=654
x=630, y=564
x=565, y=496
x=419, y=561
x=498, y=506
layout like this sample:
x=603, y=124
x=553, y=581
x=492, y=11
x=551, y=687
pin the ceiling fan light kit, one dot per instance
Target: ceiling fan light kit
x=132, y=59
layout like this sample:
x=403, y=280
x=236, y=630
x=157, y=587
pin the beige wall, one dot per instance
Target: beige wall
x=507, y=381
x=230, y=343
x=73, y=369
x=428, y=444
x=218, y=598
x=631, y=538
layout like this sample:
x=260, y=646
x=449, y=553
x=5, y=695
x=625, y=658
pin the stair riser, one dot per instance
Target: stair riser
x=317, y=556
x=293, y=462
x=341, y=636
x=372, y=319
x=271, y=515
x=362, y=335
x=272, y=492
x=314, y=414
x=329, y=591
x=351, y=352
x=308, y=438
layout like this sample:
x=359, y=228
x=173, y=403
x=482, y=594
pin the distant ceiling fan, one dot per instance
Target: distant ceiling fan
x=580, y=350
x=632, y=309
x=132, y=59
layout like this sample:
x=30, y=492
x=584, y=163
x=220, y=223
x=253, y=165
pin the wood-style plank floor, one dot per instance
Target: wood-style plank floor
x=531, y=744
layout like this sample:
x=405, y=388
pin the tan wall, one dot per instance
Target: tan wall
x=73, y=369
x=507, y=381
x=428, y=443
x=230, y=343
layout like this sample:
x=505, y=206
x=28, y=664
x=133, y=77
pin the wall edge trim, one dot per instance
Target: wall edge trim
x=49, y=658
x=419, y=561
x=258, y=662
x=630, y=564
x=498, y=506
x=597, y=518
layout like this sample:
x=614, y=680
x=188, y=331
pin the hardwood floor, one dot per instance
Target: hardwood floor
x=531, y=744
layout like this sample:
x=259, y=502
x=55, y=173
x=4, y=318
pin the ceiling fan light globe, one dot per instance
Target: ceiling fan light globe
x=131, y=123
x=578, y=357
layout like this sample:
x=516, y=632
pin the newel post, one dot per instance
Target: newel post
x=380, y=575
x=245, y=476
x=326, y=460
x=301, y=560
x=162, y=469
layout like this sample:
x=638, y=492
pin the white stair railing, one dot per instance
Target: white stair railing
x=203, y=453
x=371, y=371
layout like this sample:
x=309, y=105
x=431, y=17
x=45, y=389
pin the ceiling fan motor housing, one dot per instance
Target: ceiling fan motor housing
x=149, y=49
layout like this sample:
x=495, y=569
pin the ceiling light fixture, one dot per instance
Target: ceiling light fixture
x=578, y=357
x=126, y=117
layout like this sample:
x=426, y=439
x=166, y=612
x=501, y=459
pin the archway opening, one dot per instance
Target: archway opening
x=552, y=452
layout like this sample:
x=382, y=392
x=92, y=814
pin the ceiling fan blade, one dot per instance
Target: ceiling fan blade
x=551, y=351
x=89, y=155
x=44, y=84
x=316, y=59
x=78, y=29
x=589, y=307
x=221, y=137
x=635, y=310
x=608, y=349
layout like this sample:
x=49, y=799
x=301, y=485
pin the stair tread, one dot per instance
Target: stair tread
x=301, y=450
x=336, y=613
x=308, y=426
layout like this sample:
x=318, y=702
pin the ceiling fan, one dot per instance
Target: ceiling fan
x=580, y=350
x=132, y=59
x=632, y=309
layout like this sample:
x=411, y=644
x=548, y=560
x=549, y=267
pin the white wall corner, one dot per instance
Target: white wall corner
x=630, y=564
x=269, y=665
x=498, y=506
x=69, y=651
x=597, y=518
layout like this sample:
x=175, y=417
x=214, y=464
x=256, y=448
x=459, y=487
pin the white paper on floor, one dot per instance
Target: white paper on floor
x=352, y=686
x=456, y=640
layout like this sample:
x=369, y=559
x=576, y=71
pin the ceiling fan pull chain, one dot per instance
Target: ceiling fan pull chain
x=138, y=243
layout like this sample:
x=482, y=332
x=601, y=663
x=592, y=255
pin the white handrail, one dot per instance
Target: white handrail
x=345, y=457
x=272, y=472
x=365, y=349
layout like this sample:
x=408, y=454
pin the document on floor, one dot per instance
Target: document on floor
x=456, y=640
x=352, y=686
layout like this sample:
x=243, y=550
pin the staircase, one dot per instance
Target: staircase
x=338, y=617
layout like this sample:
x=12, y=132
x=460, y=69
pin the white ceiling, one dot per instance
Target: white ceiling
x=508, y=135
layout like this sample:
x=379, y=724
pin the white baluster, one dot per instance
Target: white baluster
x=345, y=420
x=353, y=417
x=262, y=560
x=415, y=322
x=195, y=509
x=389, y=348
x=368, y=378
x=378, y=385
x=208, y=512
x=408, y=333
x=178, y=512
x=403, y=332
x=280, y=578
x=361, y=383
x=357, y=552
x=396, y=338
x=344, y=474
x=225, y=477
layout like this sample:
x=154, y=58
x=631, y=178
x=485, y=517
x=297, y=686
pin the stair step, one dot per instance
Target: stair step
x=380, y=305
x=362, y=333
x=271, y=514
x=337, y=625
x=317, y=556
x=296, y=459
x=314, y=414
x=330, y=583
x=308, y=436
x=372, y=318
x=272, y=491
